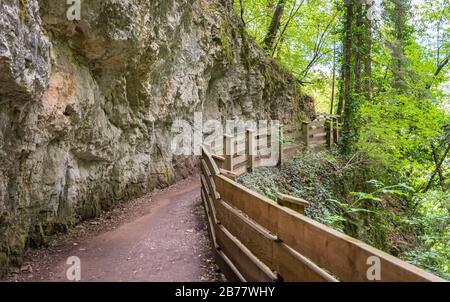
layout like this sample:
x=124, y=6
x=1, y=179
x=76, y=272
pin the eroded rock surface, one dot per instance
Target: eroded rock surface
x=86, y=106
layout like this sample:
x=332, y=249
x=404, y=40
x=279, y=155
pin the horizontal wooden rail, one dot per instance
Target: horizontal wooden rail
x=340, y=254
x=258, y=239
x=294, y=203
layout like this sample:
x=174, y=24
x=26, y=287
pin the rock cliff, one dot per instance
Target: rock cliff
x=86, y=106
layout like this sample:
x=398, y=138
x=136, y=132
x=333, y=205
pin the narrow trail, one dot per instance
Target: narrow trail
x=168, y=243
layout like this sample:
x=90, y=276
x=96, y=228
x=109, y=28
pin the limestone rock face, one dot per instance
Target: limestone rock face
x=86, y=107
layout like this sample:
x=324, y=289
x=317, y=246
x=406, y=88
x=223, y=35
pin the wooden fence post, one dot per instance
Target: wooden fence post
x=228, y=150
x=336, y=130
x=305, y=132
x=329, y=130
x=280, y=144
x=251, y=149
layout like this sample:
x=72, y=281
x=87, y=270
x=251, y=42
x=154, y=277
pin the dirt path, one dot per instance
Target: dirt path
x=163, y=240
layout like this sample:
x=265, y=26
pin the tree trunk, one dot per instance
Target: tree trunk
x=340, y=107
x=438, y=167
x=333, y=85
x=347, y=93
x=368, y=59
x=358, y=47
x=241, y=3
x=274, y=25
x=398, y=16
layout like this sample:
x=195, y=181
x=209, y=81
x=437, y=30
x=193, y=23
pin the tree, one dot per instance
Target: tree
x=274, y=25
x=398, y=15
x=347, y=77
x=367, y=56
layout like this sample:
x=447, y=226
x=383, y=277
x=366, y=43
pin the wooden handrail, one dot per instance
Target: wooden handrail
x=294, y=203
x=258, y=239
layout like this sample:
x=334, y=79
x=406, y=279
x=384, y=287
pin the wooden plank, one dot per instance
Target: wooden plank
x=329, y=129
x=261, y=157
x=264, y=151
x=294, y=267
x=242, y=165
x=240, y=169
x=259, y=208
x=210, y=164
x=239, y=160
x=209, y=199
x=210, y=215
x=228, y=268
x=262, y=143
x=318, y=130
x=341, y=254
x=228, y=174
x=344, y=256
x=228, y=146
x=218, y=161
x=251, y=268
x=251, y=149
x=318, y=141
x=225, y=264
x=305, y=133
x=261, y=132
x=320, y=135
x=276, y=255
x=279, y=145
x=292, y=199
x=294, y=203
x=328, y=115
x=317, y=123
x=254, y=237
x=218, y=158
x=207, y=181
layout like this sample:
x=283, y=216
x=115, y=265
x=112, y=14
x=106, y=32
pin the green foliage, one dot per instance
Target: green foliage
x=302, y=26
x=296, y=177
x=397, y=134
x=432, y=218
x=394, y=218
x=391, y=132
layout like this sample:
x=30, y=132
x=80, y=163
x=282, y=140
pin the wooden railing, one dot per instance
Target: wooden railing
x=232, y=152
x=258, y=239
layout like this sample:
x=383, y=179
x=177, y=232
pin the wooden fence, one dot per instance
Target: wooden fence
x=258, y=239
x=272, y=145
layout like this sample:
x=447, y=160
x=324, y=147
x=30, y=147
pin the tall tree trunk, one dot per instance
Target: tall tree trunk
x=340, y=107
x=333, y=85
x=241, y=3
x=438, y=166
x=347, y=79
x=292, y=14
x=368, y=58
x=358, y=47
x=398, y=16
x=274, y=25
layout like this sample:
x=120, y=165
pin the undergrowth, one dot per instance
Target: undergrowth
x=344, y=195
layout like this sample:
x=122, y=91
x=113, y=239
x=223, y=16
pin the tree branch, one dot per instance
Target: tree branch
x=438, y=70
x=438, y=167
